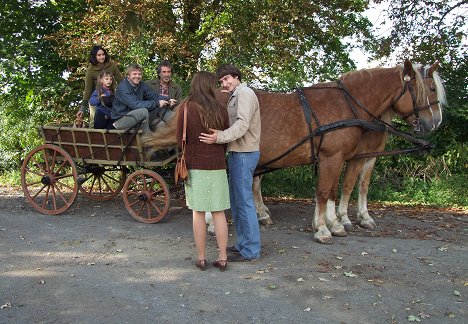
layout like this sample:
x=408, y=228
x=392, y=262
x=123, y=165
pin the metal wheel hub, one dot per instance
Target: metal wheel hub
x=47, y=180
x=144, y=196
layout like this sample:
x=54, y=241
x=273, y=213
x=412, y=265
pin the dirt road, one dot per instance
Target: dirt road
x=96, y=264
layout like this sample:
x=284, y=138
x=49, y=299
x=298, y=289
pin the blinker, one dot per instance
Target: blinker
x=416, y=125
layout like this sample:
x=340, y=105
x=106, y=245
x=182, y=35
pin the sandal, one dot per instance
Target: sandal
x=201, y=264
x=221, y=264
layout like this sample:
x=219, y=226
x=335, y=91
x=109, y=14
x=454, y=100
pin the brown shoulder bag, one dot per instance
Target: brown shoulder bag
x=181, y=172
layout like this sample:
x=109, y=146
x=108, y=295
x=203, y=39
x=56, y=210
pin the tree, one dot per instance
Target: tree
x=277, y=43
x=427, y=31
x=33, y=89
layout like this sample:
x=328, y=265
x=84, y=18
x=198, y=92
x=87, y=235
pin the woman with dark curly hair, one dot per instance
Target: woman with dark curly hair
x=99, y=61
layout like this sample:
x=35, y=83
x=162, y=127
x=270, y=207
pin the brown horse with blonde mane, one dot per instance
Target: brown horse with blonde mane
x=327, y=122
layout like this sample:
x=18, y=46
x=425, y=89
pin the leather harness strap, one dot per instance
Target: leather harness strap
x=307, y=113
x=376, y=125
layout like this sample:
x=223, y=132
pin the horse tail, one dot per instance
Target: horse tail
x=164, y=138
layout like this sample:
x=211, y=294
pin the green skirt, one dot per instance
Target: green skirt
x=207, y=190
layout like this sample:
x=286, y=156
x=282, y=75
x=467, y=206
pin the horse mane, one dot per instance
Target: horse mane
x=359, y=74
x=440, y=90
x=421, y=91
x=420, y=73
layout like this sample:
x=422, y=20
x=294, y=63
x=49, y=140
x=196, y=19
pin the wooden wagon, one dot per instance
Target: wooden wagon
x=100, y=164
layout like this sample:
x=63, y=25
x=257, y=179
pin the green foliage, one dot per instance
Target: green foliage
x=22, y=112
x=33, y=90
x=397, y=179
x=292, y=182
x=11, y=178
x=442, y=192
x=281, y=49
x=432, y=29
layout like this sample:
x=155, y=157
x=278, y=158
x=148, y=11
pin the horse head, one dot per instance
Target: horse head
x=421, y=98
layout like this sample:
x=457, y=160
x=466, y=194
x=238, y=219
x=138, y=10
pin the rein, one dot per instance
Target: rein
x=422, y=145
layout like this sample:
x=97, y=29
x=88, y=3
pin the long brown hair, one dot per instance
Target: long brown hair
x=203, y=92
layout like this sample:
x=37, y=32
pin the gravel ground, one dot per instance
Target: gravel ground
x=96, y=264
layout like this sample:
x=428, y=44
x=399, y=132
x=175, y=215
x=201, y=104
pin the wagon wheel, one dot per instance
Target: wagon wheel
x=101, y=182
x=146, y=196
x=48, y=178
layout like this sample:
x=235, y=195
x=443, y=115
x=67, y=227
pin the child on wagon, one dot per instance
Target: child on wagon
x=103, y=98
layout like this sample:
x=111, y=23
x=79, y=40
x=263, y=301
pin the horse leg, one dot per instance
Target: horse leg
x=333, y=224
x=209, y=221
x=263, y=213
x=353, y=167
x=364, y=180
x=329, y=169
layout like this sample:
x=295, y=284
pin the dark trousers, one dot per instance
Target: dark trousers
x=102, y=121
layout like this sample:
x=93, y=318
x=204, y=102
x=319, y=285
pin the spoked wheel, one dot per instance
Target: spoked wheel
x=146, y=196
x=101, y=182
x=48, y=178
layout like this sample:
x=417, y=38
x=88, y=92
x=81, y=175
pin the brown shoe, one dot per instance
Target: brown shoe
x=221, y=264
x=201, y=264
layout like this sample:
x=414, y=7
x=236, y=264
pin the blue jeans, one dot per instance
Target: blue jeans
x=241, y=169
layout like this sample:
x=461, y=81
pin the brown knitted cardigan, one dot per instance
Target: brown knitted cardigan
x=199, y=155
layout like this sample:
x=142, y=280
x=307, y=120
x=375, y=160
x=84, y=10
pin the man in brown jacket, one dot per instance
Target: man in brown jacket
x=164, y=85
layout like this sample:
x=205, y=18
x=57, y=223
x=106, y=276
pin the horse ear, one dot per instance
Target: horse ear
x=408, y=69
x=433, y=68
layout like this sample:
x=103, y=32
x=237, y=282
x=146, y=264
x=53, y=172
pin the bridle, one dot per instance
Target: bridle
x=408, y=86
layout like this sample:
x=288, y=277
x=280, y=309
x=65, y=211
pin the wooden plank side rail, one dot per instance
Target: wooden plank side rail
x=96, y=145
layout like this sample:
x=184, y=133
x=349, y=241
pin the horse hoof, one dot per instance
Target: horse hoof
x=369, y=226
x=340, y=233
x=265, y=221
x=211, y=230
x=324, y=240
x=348, y=227
x=338, y=230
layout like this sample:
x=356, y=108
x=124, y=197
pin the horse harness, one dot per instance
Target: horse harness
x=409, y=87
x=375, y=125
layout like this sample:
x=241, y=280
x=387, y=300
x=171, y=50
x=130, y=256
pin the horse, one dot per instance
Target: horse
x=326, y=122
x=355, y=168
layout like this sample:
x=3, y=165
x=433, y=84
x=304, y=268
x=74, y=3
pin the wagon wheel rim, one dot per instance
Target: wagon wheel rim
x=48, y=179
x=146, y=196
x=101, y=182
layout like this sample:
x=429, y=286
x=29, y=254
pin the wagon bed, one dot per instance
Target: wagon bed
x=97, y=163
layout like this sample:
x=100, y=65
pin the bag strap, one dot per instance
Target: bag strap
x=184, y=131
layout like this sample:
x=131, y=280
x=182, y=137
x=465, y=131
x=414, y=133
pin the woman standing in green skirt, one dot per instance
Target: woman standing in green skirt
x=207, y=187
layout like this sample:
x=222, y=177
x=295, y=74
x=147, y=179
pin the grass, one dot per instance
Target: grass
x=444, y=192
